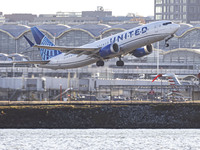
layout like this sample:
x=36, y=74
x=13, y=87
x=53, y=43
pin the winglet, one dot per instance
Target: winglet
x=29, y=41
x=160, y=75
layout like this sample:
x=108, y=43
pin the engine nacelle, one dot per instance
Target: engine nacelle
x=109, y=49
x=140, y=52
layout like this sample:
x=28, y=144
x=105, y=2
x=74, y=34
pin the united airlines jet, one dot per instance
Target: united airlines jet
x=136, y=41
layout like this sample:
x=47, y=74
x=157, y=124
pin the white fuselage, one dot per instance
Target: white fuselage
x=128, y=41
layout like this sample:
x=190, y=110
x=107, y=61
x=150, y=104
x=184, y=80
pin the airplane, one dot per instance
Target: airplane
x=173, y=82
x=137, y=42
x=172, y=78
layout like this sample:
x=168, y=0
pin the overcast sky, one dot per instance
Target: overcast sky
x=118, y=7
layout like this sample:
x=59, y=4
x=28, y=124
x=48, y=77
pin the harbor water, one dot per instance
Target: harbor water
x=99, y=139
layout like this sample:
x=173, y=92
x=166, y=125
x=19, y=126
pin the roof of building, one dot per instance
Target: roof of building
x=54, y=29
x=14, y=56
x=14, y=30
x=122, y=27
x=183, y=28
x=127, y=26
x=197, y=26
x=2, y=55
x=94, y=29
x=196, y=51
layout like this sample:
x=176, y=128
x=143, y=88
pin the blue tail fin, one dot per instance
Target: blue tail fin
x=41, y=39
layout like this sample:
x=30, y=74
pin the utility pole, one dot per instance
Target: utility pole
x=60, y=92
x=157, y=58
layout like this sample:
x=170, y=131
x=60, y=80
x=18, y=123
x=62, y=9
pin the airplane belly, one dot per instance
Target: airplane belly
x=140, y=42
x=70, y=63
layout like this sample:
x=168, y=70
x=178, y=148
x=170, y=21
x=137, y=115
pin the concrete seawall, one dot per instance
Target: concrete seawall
x=159, y=115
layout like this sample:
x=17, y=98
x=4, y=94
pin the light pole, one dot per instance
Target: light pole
x=157, y=58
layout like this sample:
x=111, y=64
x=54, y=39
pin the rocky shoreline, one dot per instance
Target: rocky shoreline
x=167, y=115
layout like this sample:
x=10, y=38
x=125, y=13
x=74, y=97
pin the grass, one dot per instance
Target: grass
x=85, y=105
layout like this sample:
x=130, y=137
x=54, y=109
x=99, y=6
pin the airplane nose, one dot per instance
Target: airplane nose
x=176, y=27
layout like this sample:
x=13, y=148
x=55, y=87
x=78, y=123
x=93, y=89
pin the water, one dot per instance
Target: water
x=101, y=139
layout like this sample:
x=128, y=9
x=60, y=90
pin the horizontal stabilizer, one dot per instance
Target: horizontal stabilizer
x=65, y=49
x=92, y=52
x=32, y=62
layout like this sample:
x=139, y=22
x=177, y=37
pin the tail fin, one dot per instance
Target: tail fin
x=160, y=75
x=173, y=80
x=29, y=41
x=41, y=39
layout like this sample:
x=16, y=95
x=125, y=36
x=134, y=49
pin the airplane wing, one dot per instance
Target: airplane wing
x=72, y=50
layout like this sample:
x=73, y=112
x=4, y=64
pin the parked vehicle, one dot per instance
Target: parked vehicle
x=87, y=98
x=104, y=98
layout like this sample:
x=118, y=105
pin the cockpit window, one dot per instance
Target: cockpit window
x=167, y=23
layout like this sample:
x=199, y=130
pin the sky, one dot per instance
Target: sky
x=118, y=7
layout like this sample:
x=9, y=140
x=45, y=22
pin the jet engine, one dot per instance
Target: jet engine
x=109, y=49
x=143, y=51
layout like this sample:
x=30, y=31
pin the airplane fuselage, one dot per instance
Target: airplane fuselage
x=127, y=41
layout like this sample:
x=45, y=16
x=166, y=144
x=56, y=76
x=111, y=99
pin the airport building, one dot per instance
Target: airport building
x=182, y=11
x=75, y=18
x=132, y=81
